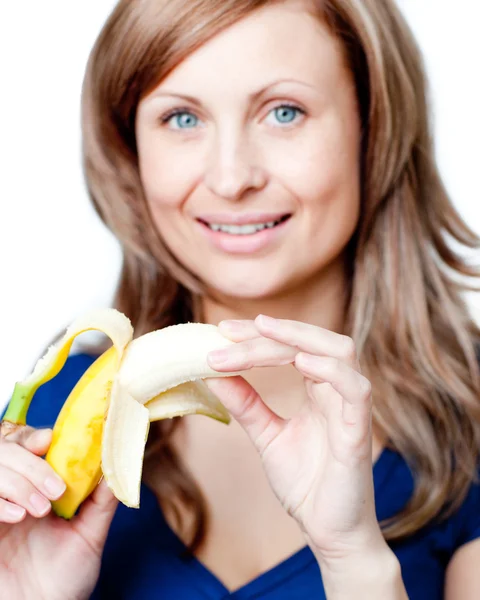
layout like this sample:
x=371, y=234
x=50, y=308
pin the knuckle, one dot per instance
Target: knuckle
x=250, y=351
x=22, y=461
x=330, y=364
x=8, y=452
x=10, y=512
x=365, y=388
x=15, y=488
x=244, y=354
x=249, y=406
x=267, y=436
x=3, y=511
x=348, y=348
x=249, y=347
x=34, y=468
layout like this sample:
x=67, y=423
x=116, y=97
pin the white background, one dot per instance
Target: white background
x=57, y=259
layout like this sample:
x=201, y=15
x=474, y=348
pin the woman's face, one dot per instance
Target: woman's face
x=249, y=154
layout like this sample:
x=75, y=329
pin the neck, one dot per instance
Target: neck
x=319, y=301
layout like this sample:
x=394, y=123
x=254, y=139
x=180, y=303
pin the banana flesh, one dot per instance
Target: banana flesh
x=124, y=438
x=193, y=397
x=103, y=426
x=167, y=357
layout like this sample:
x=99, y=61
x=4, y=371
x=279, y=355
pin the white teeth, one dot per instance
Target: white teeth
x=242, y=229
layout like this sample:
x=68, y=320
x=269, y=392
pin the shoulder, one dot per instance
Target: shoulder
x=50, y=397
x=467, y=518
x=448, y=534
x=394, y=487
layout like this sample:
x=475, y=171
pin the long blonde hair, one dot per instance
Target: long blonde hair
x=406, y=310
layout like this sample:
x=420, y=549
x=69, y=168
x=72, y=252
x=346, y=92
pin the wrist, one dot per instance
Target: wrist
x=368, y=573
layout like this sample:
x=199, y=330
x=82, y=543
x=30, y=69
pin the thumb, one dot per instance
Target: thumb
x=36, y=441
x=242, y=401
x=95, y=516
x=39, y=441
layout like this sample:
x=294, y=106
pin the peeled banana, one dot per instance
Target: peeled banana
x=103, y=425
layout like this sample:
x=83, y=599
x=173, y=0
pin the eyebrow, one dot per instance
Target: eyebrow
x=251, y=97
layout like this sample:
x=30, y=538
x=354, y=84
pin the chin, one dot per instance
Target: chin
x=252, y=286
x=245, y=290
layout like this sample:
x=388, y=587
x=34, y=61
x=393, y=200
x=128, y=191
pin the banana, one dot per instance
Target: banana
x=103, y=425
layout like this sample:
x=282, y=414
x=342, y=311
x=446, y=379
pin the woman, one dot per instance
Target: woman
x=267, y=167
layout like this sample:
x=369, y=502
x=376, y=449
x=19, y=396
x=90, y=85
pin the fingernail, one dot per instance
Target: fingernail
x=14, y=512
x=40, y=504
x=266, y=321
x=54, y=486
x=217, y=356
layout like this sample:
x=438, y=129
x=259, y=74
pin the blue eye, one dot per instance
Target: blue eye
x=286, y=114
x=182, y=118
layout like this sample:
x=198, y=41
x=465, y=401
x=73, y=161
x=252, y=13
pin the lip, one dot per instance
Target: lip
x=244, y=244
x=241, y=219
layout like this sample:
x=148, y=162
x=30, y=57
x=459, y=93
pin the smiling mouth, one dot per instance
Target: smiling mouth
x=247, y=229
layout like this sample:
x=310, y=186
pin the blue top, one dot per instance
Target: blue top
x=142, y=557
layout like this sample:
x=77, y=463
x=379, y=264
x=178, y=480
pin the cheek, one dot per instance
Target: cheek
x=167, y=180
x=325, y=177
x=323, y=160
x=333, y=194
x=168, y=175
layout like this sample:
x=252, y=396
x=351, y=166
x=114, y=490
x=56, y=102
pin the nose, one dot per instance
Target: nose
x=233, y=168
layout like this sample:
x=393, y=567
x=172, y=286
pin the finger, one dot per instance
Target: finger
x=11, y=513
x=18, y=490
x=36, y=470
x=238, y=330
x=95, y=516
x=39, y=441
x=260, y=423
x=258, y=352
x=350, y=444
x=354, y=388
x=35, y=440
x=309, y=338
x=323, y=400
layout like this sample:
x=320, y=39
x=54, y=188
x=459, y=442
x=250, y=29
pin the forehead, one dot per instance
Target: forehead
x=280, y=40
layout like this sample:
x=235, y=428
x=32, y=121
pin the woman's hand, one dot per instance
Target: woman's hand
x=319, y=463
x=41, y=555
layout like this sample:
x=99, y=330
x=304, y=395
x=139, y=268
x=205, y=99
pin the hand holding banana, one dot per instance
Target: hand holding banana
x=43, y=556
x=319, y=463
x=101, y=430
